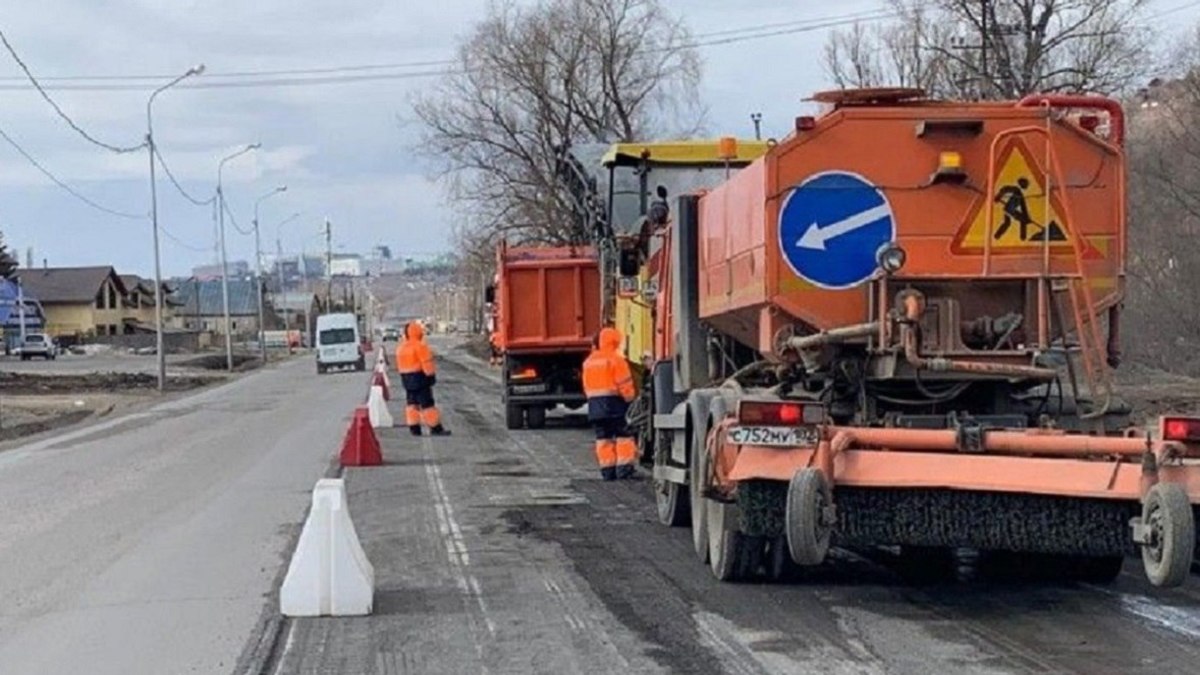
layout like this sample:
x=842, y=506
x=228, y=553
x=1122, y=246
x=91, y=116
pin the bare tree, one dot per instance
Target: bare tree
x=997, y=48
x=1164, y=214
x=530, y=82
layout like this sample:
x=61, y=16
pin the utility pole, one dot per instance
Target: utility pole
x=159, y=351
x=328, y=263
x=757, y=119
x=224, y=261
x=258, y=265
x=287, y=324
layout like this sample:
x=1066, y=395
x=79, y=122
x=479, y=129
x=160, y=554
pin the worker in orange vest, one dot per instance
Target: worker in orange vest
x=608, y=384
x=418, y=374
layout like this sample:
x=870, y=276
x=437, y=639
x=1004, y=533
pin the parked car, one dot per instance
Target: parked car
x=39, y=345
x=391, y=334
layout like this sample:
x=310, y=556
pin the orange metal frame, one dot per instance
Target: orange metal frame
x=1034, y=461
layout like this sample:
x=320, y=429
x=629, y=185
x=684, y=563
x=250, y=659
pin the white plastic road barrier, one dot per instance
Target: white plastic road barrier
x=377, y=409
x=329, y=574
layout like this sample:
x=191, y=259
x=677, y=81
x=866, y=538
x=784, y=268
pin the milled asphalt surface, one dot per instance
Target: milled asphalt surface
x=503, y=552
x=149, y=543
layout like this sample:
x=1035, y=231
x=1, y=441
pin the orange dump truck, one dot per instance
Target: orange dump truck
x=896, y=329
x=546, y=307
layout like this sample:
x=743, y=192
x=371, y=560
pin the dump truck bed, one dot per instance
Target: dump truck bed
x=548, y=298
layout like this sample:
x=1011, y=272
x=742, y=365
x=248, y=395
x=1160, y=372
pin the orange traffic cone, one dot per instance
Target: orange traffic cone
x=378, y=379
x=360, y=447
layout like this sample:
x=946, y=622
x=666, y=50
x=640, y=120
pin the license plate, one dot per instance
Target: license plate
x=775, y=436
x=528, y=388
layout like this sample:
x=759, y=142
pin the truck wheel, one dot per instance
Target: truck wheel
x=670, y=498
x=535, y=417
x=1167, y=513
x=514, y=416
x=698, y=416
x=697, y=471
x=807, y=534
x=733, y=556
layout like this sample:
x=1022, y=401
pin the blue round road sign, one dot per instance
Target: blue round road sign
x=831, y=226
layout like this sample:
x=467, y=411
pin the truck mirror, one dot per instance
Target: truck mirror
x=628, y=263
x=489, y=294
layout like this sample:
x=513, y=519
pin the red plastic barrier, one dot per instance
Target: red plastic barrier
x=360, y=447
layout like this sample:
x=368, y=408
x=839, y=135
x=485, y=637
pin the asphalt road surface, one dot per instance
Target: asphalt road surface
x=503, y=552
x=149, y=544
x=154, y=544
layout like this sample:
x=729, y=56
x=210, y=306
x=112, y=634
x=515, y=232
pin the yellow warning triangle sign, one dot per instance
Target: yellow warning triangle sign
x=1021, y=220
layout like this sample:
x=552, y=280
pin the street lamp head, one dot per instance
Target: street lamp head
x=281, y=188
x=254, y=146
x=197, y=69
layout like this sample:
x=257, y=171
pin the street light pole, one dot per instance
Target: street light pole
x=287, y=324
x=224, y=259
x=262, y=335
x=159, y=351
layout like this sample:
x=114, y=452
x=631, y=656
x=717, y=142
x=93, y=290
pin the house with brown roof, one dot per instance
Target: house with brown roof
x=139, y=303
x=79, y=301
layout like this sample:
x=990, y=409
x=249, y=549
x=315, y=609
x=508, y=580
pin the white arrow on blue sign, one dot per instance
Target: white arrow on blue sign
x=831, y=226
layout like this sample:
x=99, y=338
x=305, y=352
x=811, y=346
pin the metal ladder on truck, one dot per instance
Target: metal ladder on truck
x=1076, y=284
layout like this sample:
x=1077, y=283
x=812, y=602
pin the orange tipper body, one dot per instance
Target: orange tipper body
x=548, y=298
x=758, y=271
x=547, y=312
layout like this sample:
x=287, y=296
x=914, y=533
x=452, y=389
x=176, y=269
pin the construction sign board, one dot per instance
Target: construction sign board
x=1023, y=219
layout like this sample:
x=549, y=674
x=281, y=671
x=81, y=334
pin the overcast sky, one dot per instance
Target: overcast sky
x=342, y=149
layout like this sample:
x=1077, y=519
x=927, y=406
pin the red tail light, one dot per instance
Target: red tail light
x=1182, y=429
x=779, y=413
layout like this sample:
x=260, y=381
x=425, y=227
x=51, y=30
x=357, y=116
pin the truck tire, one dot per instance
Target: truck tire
x=670, y=498
x=697, y=409
x=535, y=417
x=808, y=535
x=1168, y=513
x=514, y=416
x=732, y=556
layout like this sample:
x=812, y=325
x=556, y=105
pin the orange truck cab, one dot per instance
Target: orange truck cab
x=546, y=309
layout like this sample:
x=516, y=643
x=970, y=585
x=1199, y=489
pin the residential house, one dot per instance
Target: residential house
x=140, y=303
x=199, y=306
x=78, y=301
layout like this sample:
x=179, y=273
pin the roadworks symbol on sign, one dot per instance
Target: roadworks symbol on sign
x=1020, y=222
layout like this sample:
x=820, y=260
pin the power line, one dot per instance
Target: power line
x=356, y=73
x=233, y=221
x=250, y=73
x=167, y=169
x=66, y=118
x=180, y=242
x=46, y=172
x=1172, y=10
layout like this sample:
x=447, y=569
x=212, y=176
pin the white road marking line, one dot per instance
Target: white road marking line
x=287, y=648
x=456, y=546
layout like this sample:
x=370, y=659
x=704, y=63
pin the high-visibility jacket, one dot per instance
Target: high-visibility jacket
x=607, y=380
x=414, y=359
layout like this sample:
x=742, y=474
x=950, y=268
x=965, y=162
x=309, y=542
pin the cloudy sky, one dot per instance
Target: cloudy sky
x=343, y=149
